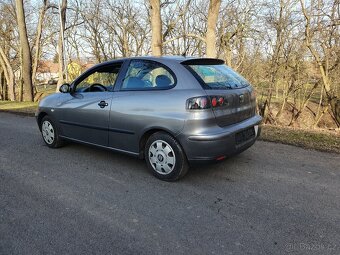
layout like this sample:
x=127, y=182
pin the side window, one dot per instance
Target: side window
x=103, y=79
x=148, y=75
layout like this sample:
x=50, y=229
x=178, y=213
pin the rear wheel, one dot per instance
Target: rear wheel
x=165, y=157
x=50, y=133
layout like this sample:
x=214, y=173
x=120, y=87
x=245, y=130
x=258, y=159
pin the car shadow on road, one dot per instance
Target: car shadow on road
x=115, y=161
x=224, y=170
x=101, y=155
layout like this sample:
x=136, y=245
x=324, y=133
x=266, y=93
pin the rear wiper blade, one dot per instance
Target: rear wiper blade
x=224, y=85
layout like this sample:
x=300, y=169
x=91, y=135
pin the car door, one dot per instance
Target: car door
x=86, y=110
x=141, y=101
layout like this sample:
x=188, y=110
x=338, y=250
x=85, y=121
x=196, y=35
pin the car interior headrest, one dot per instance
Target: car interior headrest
x=163, y=81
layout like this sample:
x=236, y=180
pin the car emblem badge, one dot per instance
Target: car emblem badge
x=160, y=158
x=241, y=98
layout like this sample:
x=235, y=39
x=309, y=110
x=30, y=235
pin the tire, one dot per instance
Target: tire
x=165, y=157
x=50, y=133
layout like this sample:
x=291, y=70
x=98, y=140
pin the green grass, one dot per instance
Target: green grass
x=27, y=108
x=310, y=139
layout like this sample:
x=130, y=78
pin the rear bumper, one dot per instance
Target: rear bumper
x=215, y=146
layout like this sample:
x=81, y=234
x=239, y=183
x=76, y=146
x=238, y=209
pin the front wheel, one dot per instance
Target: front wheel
x=165, y=157
x=50, y=133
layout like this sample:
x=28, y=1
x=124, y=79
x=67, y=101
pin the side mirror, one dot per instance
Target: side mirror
x=65, y=88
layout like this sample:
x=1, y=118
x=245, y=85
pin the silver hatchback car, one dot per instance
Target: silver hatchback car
x=172, y=111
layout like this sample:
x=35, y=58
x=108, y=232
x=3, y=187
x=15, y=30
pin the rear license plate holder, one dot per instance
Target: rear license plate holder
x=245, y=135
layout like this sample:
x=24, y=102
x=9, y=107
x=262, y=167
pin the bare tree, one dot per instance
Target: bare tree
x=38, y=43
x=94, y=24
x=61, y=49
x=323, y=38
x=26, y=60
x=7, y=45
x=8, y=74
x=213, y=12
x=156, y=27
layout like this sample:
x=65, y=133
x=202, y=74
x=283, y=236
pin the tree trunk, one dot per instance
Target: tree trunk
x=214, y=8
x=4, y=87
x=9, y=75
x=126, y=48
x=1, y=85
x=38, y=39
x=227, y=50
x=4, y=77
x=319, y=116
x=61, y=50
x=156, y=27
x=26, y=58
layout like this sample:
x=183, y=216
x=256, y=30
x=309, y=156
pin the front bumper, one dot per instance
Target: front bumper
x=215, y=146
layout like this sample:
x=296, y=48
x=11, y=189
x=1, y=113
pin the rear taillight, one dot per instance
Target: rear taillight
x=218, y=101
x=199, y=103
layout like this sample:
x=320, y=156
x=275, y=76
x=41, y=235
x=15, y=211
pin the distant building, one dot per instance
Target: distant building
x=47, y=70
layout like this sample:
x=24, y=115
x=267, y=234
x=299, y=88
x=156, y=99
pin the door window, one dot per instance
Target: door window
x=101, y=80
x=148, y=75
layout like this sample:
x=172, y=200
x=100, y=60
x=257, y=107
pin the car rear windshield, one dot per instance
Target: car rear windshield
x=218, y=77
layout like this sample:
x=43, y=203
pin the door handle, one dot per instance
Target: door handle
x=102, y=104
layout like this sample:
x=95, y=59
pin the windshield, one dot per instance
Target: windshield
x=218, y=77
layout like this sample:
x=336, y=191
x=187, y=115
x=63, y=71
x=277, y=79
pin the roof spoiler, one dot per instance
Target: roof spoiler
x=203, y=61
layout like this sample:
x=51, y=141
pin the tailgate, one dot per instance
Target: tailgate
x=239, y=105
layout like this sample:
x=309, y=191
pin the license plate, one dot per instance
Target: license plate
x=245, y=135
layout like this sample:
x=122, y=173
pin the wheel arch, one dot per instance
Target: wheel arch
x=40, y=117
x=147, y=133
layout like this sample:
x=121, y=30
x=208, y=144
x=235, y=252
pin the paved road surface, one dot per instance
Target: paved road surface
x=272, y=199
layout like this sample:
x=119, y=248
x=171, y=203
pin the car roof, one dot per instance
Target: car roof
x=178, y=59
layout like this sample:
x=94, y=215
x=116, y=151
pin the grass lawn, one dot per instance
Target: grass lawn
x=26, y=108
x=310, y=139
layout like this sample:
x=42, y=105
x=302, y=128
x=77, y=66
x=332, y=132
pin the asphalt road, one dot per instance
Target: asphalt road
x=271, y=199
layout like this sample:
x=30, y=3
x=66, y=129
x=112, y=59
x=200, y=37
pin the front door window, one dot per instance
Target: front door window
x=101, y=80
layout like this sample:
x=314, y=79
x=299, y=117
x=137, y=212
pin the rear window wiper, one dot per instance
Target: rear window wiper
x=224, y=85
